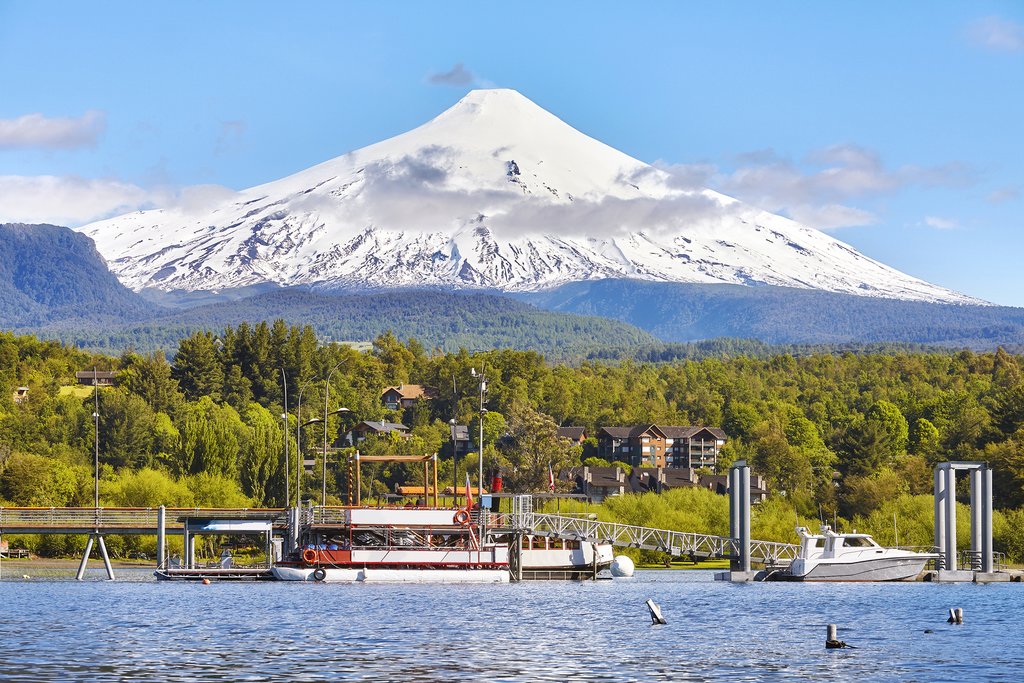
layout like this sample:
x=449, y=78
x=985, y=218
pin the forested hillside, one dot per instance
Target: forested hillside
x=676, y=312
x=49, y=273
x=440, y=320
x=835, y=434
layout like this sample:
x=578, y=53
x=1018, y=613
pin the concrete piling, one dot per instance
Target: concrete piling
x=161, y=537
x=832, y=641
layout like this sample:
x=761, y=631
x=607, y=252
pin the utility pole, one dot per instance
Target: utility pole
x=287, y=463
x=483, y=392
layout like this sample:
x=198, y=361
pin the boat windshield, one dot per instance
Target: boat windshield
x=857, y=542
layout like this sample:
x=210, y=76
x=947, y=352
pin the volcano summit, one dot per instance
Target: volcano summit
x=495, y=193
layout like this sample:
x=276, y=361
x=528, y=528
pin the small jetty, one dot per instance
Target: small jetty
x=281, y=532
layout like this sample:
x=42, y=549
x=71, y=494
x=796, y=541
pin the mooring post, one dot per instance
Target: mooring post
x=940, y=512
x=976, y=514
x=744, y=503
x=832, y=641
x=161, y=537
x=85, y=559
x=734, y=514
x=734, y=507
x=105, y=556
x=986, y=520
x=951, y=563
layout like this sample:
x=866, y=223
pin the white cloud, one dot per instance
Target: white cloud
x=75, y=201
x=940, y=223
x=817, y=192
x=36, y=130
x=831, y=216
x=997, y=33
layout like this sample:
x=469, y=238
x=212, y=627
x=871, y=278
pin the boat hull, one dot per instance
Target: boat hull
x=578, y=559
x=877, y=569
x=369, y=575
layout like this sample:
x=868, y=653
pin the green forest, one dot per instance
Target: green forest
x=845, y=436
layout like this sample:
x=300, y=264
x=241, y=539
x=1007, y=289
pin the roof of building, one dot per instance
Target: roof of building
x=572, y=433
x=382, y=427
x=411, y=391
x=462, y=432
x=600, y=477
x=99, y=374
x=627, y=432
x=643, y=479
x=668, y=431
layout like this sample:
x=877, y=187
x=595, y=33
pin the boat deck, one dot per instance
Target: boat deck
x=216, y=574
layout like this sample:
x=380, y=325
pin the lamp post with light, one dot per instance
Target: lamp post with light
x=483, y=392
x=287, y=462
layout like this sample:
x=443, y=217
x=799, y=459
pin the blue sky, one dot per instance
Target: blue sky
x=898, y=127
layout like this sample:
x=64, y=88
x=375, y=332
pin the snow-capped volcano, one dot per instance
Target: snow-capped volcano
x=495, y=193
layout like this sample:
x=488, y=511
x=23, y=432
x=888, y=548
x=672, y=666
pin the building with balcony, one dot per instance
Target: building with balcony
x=657, y=446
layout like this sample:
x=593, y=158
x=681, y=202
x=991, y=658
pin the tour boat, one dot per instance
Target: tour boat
x=397, y=545
x=831, y=556
x=553, y=558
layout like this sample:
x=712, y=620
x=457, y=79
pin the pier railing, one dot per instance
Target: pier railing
x=675, y=543
x=118, y=520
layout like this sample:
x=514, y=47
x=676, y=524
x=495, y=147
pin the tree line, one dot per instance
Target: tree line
x=837, y=435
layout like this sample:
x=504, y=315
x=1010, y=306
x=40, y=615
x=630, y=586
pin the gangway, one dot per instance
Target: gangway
x=675, y=543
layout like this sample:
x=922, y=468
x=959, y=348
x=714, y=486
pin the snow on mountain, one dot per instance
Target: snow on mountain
x=495, y=193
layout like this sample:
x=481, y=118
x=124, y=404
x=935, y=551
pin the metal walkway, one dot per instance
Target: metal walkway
x=120, y=520
x=676, y=543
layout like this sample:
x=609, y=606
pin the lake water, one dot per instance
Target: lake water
x=140, y=630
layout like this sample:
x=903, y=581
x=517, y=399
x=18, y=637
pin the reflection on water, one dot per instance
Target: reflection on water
x=543, y=631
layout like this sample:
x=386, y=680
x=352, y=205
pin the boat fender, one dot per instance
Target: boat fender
x=319, y=574
x=309, y=556
x=461, y=518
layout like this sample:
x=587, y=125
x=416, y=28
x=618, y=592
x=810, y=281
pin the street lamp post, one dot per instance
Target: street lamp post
x=287, y=462
x=96, y=450
x=298, y=445
x=327, y=396
x=455, y=465
x=483, y=391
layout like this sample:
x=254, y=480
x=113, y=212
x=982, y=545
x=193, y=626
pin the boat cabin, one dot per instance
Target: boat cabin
x=829, y=544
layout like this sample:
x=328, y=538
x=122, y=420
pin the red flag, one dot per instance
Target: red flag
x=551, y=479
x=469, y=494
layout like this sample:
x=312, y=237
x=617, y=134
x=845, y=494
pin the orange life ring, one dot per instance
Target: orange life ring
x=309, y=555
x=461, y=518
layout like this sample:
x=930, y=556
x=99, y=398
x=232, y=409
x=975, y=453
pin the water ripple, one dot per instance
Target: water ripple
x=544, y=631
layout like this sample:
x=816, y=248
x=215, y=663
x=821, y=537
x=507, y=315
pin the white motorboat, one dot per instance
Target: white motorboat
x=831, y=556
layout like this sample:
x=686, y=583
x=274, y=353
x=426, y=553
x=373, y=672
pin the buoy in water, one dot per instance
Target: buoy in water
x=206, y=582
x=622, y=567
